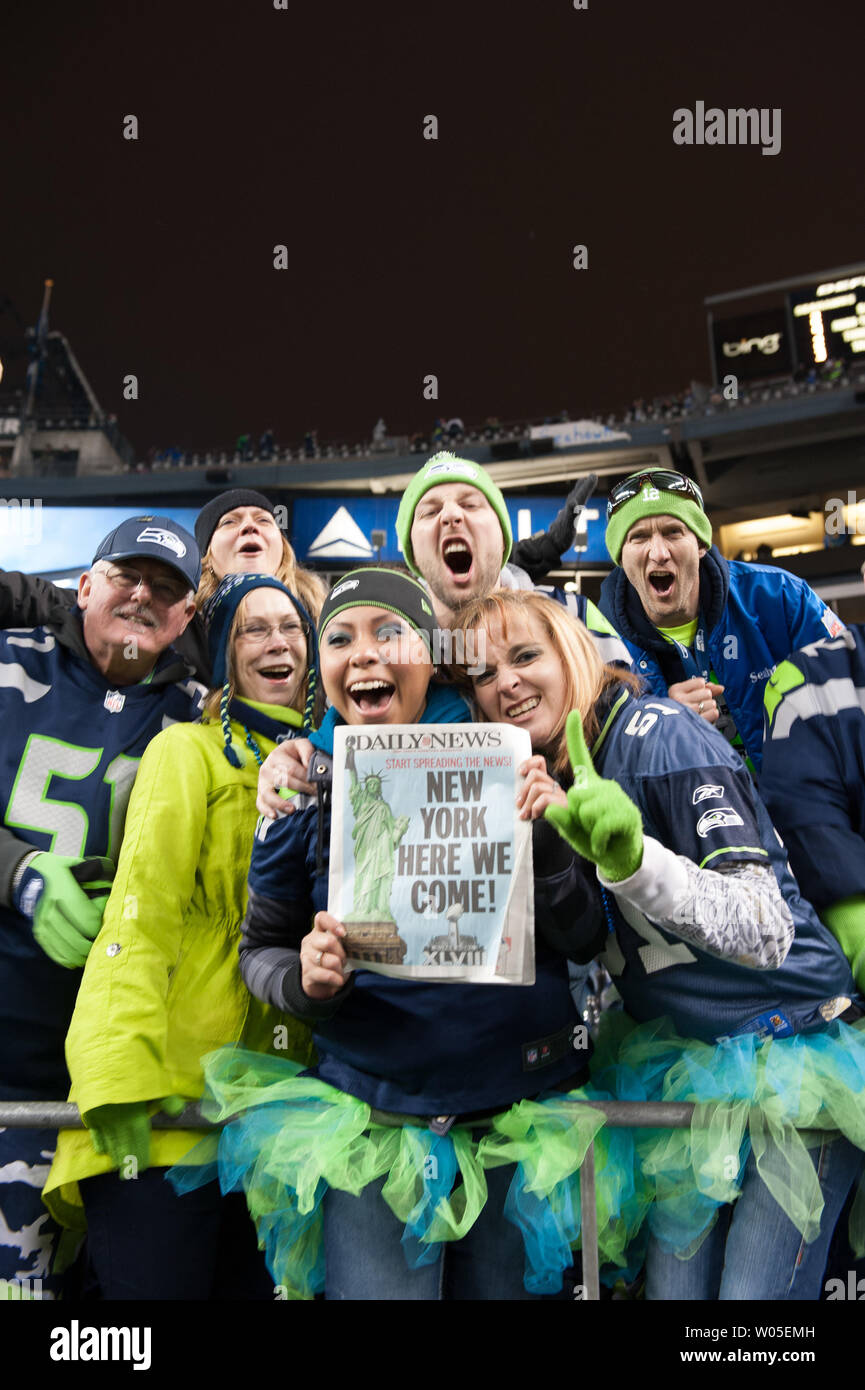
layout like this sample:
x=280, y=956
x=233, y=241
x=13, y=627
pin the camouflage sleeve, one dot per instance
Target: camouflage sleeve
x=735, y=912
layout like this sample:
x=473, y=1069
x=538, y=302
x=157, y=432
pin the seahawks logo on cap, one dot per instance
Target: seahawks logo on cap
x=461, y=466
x=156, y=535
x=341, y=588
x=714, y=820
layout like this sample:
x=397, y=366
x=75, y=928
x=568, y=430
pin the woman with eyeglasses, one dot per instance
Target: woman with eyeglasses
x=162, y=986
x=704, y=630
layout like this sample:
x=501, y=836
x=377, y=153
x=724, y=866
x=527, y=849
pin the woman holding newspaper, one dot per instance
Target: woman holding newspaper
x=402, y=1143
x=735, y=996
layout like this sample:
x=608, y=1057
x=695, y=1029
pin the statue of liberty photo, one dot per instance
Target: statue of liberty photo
x=376, y=834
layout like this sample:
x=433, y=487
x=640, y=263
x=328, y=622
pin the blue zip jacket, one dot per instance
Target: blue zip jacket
x=753, y=617
x=813, y=778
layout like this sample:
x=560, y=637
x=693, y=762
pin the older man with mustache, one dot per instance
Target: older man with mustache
x=80, y=698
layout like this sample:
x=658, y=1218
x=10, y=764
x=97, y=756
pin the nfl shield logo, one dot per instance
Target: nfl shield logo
x=114, y=701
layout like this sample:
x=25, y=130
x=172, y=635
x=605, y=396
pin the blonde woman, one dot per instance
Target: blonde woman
x=735, y=995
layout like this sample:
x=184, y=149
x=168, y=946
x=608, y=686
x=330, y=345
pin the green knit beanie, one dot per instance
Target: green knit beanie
x=653, y=501
x=447, y=468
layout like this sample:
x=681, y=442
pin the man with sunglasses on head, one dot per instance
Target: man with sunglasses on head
x=81, y=696
x=706, y=631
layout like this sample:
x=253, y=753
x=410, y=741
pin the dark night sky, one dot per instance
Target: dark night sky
x=407, y=257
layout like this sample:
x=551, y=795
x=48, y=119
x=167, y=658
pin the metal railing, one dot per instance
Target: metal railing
x=620, y=1114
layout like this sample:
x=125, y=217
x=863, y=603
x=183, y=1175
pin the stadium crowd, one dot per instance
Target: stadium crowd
x=389, y=1138
x=696, y=400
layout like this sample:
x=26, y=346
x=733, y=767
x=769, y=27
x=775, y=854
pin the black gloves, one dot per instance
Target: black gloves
x=537, y=555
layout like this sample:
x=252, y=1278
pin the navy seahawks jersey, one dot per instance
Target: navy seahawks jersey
x=813, y=777
x=697, y=798
x=68, y=757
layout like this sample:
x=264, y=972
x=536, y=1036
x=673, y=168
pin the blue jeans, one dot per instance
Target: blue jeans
x=365, y=1259
x=754, y=1251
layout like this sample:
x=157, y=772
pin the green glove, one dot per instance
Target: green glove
x=64, y=900
x=173, y=1105
x=122, y=1132
x=601, y=821
x=846, y=921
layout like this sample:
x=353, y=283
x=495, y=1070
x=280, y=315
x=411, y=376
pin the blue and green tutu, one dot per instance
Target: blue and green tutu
x=776, y=1097
x=288, y=1137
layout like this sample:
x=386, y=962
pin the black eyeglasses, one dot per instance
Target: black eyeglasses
x=663, y=479
x=164, y=591
x=257, y=632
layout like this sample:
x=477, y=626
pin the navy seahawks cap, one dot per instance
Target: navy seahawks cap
x=157, y=538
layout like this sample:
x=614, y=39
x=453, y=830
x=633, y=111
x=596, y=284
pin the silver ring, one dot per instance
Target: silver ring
x=320, y=954
x=700, y=706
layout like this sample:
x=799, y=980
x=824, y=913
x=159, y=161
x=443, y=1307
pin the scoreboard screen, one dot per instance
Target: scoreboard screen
x=829, y=319
x=752, y=346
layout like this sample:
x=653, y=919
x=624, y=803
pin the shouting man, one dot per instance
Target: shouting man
x=704, y=630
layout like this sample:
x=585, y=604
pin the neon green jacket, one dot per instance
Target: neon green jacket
x=162, y=986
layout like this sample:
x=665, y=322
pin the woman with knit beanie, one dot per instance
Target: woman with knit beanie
x=163, y=987
x=237, y=534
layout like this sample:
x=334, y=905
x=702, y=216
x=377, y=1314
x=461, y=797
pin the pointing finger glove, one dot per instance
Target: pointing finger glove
x=601, y=821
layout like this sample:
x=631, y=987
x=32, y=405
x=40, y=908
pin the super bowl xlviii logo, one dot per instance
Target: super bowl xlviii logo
x=735, y=126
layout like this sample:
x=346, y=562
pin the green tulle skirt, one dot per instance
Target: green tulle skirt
x=776, y=1097
x=291, y=1137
